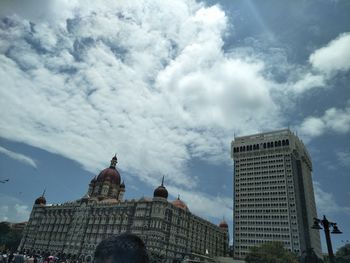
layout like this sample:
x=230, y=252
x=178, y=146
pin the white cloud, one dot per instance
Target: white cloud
x=19, y=157
x=324, y=62
x=326, y=202
x=312, y=127
x=12, y=209
x=148, y=80
x=22, y=211
x=333, y=57
x=204, y=204
x=150, y=83
x=333, y=120
x=307, y=82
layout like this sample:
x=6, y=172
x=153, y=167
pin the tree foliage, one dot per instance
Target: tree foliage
x=270, y=252
x=9, y=238
x=343, y=254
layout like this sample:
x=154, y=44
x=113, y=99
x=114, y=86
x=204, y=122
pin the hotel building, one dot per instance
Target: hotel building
x=74, y=229
x=273, y=193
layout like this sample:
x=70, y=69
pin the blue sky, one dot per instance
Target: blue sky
x=166, y=85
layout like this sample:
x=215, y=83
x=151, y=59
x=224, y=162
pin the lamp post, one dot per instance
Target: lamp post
x=326, y=224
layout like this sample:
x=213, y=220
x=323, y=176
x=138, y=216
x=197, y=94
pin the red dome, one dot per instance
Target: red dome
x=180, y=204
x=40, y=201
x=223, y=224
x=109, y=174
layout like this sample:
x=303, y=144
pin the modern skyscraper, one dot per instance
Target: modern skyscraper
x=273, y=193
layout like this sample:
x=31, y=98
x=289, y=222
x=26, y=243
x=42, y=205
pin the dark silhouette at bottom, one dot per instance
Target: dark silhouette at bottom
x=124, y=248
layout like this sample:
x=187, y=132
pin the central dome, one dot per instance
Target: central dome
x=110, y=174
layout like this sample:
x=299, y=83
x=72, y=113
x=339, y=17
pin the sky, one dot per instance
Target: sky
x=166, y=85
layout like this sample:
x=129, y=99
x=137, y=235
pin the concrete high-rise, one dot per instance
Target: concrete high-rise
x=273, y=193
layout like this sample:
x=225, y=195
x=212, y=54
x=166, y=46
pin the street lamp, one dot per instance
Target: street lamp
x=326, y=224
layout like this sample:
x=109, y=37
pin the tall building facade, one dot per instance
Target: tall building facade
x=74, y=229
x=273, y=193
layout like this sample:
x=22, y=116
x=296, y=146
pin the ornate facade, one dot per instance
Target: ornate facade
x=74, y=229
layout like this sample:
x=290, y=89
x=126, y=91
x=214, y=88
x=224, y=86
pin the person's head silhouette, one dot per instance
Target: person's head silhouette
x=124, y=248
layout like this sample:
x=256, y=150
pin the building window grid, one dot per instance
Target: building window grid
x=257, y=168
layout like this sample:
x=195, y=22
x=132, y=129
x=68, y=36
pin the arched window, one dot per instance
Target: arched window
x=287, y=142
x=264, y=145
x=283, y=142
x=279, y=143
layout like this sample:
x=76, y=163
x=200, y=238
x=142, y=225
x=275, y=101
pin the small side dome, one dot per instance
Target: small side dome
x=40, y=201
x=180, y=204
x=122, y=185
x=161, y=191
x=223, y=224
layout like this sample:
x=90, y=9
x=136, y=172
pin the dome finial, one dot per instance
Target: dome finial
x=162, y=181
x=43, y=195
x=114, y=161
x=178, y=196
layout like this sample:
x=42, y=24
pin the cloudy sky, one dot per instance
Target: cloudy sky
x=166, y=85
